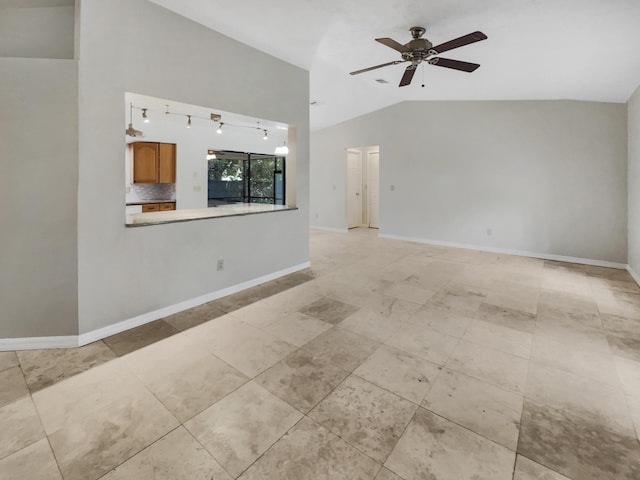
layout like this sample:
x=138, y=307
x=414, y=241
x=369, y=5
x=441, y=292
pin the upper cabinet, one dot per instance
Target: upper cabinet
x=154, y=162
x=167, y=163
x=145, y=162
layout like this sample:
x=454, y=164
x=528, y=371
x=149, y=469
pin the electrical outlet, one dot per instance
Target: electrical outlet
x=220, y=265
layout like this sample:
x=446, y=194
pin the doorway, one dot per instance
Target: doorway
x=363, y=190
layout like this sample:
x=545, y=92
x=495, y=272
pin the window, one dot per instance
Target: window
x=247, y=178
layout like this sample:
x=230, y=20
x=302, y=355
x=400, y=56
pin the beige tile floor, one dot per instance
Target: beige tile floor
x=386, y=360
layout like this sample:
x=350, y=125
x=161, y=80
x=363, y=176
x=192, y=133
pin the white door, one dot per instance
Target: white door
x=374, y=189
x=354, y=188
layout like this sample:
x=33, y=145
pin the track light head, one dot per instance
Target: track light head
x=282, y=150
x=132, y=132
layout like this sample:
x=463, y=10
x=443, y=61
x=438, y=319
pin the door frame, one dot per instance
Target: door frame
x=346, y=190
x=369, y=153
x=364, y=152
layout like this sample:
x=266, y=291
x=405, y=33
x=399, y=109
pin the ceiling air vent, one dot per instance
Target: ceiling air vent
x=381, y=80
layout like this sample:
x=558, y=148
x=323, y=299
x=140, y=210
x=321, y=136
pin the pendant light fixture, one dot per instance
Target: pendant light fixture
x=266, y=135
x=282, y=150
x=219, y=131
x=145, y=118
x=188, y=121
x=132, y=132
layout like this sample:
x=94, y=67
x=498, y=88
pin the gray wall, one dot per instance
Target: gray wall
x=69, y=265
x=37, y=32
x=136, y=46
x=634, y=180
x=545, y=177
x=38, y=197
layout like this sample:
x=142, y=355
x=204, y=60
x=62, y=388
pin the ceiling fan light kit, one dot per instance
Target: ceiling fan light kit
x=420, y=50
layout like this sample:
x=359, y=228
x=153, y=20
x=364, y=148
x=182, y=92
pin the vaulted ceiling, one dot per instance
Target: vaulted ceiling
x=536, y=49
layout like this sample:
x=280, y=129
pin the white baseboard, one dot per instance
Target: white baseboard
x=35, y=343
x=633, y=274
x=104, y=332
x=543, y=256
x=329, y=229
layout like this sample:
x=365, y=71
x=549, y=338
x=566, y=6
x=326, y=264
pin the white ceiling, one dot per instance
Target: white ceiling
x=536, y=50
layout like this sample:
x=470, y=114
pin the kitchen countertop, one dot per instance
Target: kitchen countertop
x=144, y=202
x=186, y=215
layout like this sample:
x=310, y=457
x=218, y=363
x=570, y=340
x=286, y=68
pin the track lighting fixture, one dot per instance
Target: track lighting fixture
x=132, y=132
x=282, y=150
x=214, y=117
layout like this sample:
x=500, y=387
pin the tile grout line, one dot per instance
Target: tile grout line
x=526, y=384
x=46, y=435
x=139, y=451
x=55, y=457
x=551, y=469
x=537, y=461
x=270, y=447
x=208, y=452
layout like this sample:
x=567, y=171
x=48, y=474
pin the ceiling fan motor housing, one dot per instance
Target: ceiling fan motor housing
x=419, y=49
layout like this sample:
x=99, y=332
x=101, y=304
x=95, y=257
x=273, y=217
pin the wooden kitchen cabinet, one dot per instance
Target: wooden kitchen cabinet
x=150, y=207
x=145, y=162
x=167, y=163
x=158, y=207
x=154, y=162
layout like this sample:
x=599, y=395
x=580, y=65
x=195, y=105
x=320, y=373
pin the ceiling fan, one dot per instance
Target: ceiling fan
x=420, y=49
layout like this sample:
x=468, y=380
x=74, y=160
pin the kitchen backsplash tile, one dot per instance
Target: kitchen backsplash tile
x=154, y=191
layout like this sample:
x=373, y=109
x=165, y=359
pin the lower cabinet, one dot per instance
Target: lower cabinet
x=150, y=207
x=158, y=207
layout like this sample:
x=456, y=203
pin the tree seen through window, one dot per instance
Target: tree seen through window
x=246, y=177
